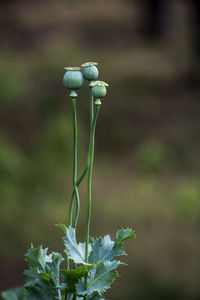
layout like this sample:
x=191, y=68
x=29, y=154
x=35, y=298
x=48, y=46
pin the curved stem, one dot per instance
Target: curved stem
x=86, y=167
x=75, y=161
x=91, y=158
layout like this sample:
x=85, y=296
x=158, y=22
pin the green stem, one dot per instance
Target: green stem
x=74, y=178
x=75, y=161
x=91, y=159
x=91, y=108
x=86, y=167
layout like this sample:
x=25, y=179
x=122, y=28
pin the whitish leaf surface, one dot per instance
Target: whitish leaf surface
x=107, y=250
x=37, y=257
x=102, y=249
x=74, y=251
x=100, y=279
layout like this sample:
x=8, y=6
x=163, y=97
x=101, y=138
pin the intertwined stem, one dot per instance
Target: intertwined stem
x=75, y=161
x=91, y=158
x=89, y=167
x=74, y=222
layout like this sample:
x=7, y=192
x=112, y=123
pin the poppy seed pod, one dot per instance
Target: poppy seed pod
x=90, y=71
x=73, y=78
x=98, y=89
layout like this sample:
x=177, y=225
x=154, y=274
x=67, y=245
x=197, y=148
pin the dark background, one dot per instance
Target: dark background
x=147, y=163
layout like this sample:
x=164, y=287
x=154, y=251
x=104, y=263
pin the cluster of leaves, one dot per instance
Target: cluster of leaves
x=43, y=277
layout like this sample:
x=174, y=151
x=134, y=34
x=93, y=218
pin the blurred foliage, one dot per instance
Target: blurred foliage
x=152, y=156
x=11, y=84
x=32, y=181
x=187, y=202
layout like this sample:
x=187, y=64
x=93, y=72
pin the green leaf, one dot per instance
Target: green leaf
x=18, y=293
x=42, y=280
x=74, y=251
x=101, y=277
x=71, y=278
x=62, y=227
x=124, y=234
x=107, y=250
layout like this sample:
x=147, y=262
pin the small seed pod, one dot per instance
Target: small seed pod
x=98, y=89
x=90, y=71
x=73, y=78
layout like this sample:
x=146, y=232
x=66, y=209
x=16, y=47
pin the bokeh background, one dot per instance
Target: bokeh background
x=147, y=162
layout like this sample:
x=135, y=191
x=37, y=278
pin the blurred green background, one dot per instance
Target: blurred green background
x=147, y=163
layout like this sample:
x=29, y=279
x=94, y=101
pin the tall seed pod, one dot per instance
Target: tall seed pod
x=73, y=78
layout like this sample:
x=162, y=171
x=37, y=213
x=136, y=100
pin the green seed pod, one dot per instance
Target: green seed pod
x=98, y=89
x=73, y=78
x=90, y=71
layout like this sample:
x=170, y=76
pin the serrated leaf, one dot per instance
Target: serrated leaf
x=37, y=257
x=42, y=280
x=124, y=234
x=107, y=250
x=74, y=251
x=121, y=236
x=18, y=293
x=102, y=276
